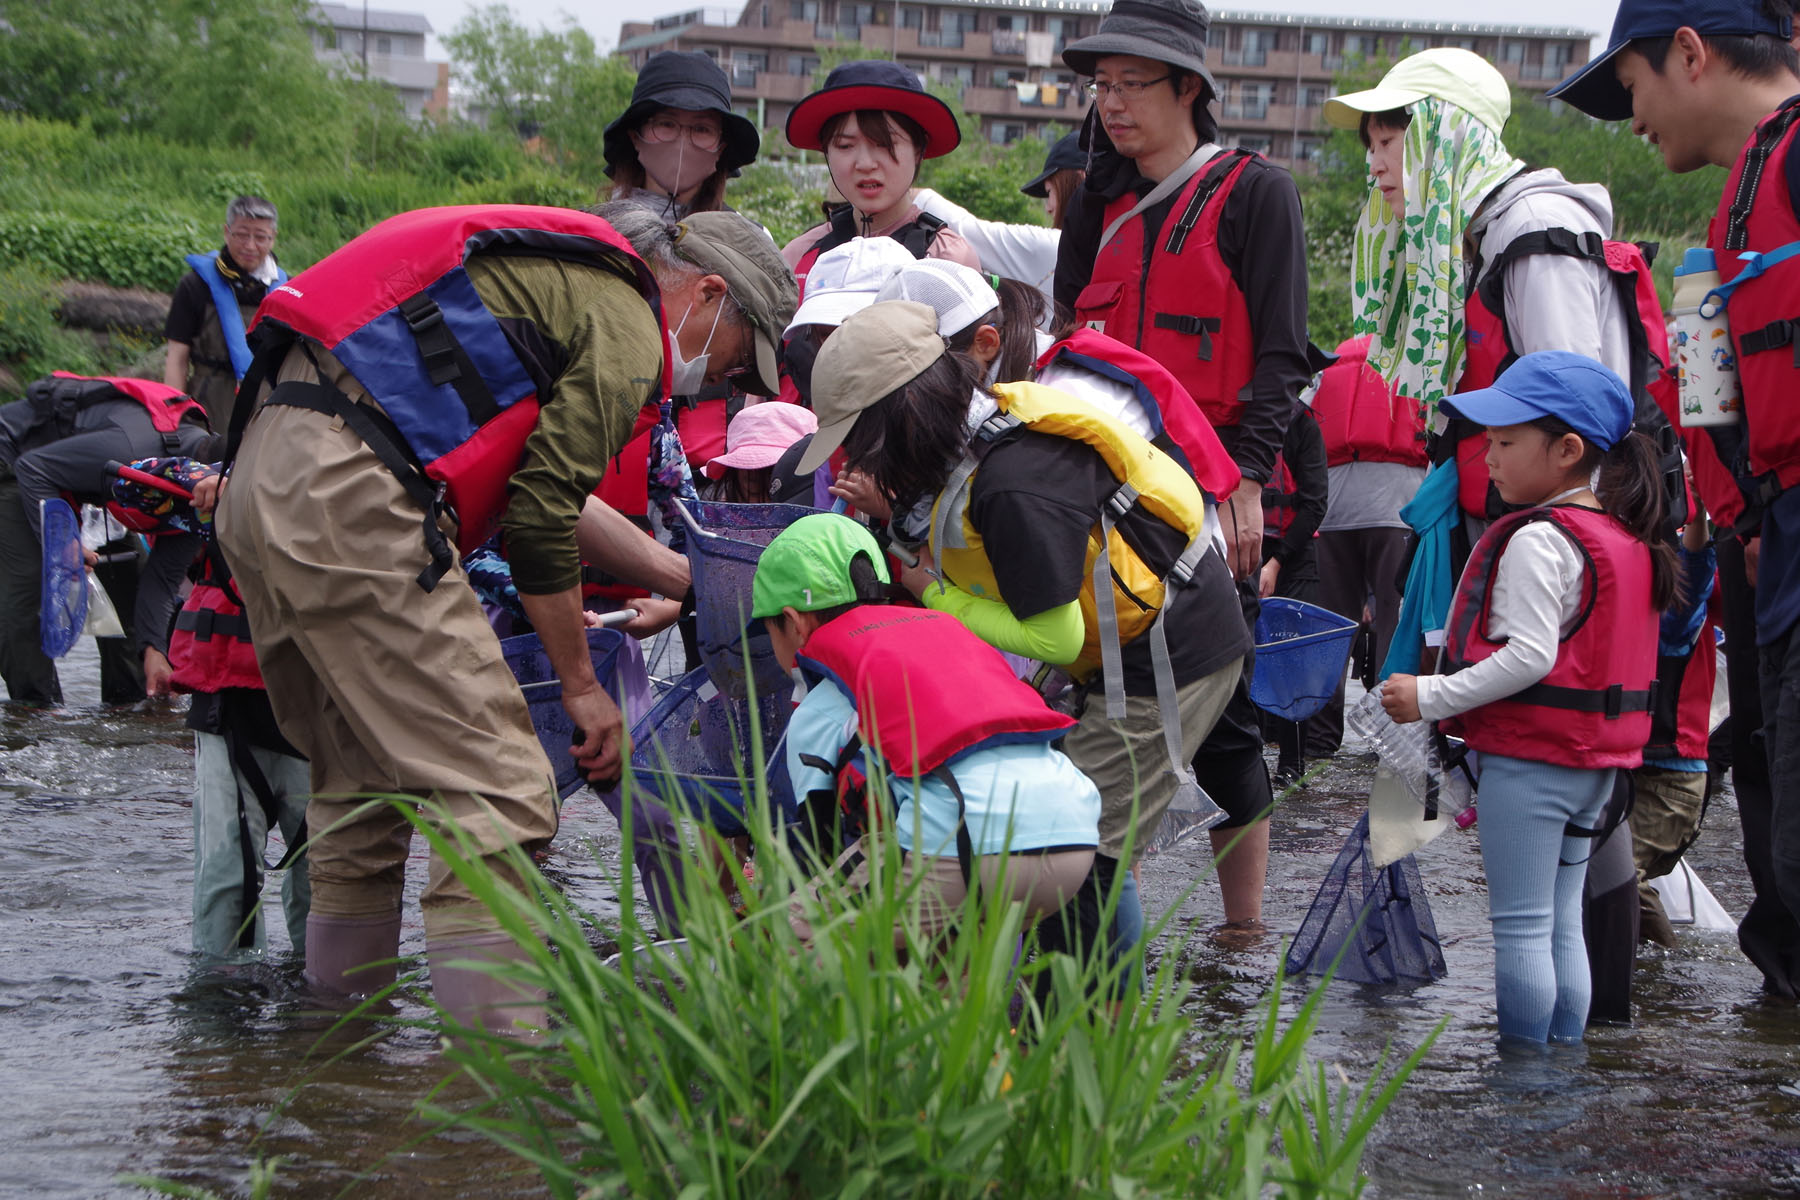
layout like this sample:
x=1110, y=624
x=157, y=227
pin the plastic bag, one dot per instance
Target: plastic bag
x=102, y=618
x=62, y=602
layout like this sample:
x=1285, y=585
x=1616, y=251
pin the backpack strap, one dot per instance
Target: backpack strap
x=1756, y=159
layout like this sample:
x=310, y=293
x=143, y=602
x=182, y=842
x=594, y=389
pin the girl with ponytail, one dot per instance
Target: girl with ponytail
x=1549, y=661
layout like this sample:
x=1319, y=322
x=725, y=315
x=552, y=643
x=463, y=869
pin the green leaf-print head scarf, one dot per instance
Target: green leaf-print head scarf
x=1407, y=276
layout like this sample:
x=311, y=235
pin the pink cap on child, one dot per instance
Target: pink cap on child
x=760, y=434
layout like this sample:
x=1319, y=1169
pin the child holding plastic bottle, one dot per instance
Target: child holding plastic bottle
x=1549, y=659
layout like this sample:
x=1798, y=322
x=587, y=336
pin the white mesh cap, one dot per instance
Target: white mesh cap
x=845, y=279
x=960, y=295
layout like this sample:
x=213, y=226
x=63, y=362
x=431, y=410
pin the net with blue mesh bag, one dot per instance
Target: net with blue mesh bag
x=694, y=749
x=1301, y=653
x=1373, y=924
x=63, y=596
x=694, y=752
x=723, y=544
x=543, y=695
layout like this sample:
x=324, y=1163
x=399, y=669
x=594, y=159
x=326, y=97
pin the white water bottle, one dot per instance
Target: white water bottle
x=1711, y=393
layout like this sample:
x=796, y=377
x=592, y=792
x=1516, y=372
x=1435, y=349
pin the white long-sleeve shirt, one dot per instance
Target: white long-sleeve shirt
x=1023, y=252
x=1536, y=597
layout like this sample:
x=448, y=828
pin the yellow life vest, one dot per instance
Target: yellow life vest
x=1147, y=477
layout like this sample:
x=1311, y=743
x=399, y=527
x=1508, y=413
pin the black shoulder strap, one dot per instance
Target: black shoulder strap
x=1566, y=242
x=917, y=239
x=1737, y=217
x=1212, y=178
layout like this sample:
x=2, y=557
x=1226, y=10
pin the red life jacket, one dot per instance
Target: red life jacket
x=57, y=397
x=1361, y=418
x=1593, y=708
x=1278, y=501
x=1175, y=299
x=1681, y=722
x=210, y=647
x=1174, y=418
x=397, y=309
x=1490, y=352
x=910, y=673
x=1756, y=214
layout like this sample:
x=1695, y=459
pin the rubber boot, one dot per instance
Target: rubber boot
x=475, y=999
x=348, y=956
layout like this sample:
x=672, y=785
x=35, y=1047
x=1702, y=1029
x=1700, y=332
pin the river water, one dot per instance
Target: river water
x=116, y=1058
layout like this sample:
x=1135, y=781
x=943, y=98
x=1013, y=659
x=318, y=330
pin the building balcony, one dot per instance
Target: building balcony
x=1008, y=42
x=837, y=33
x=1042, y=103
x=1267, y=118
x=942, y=39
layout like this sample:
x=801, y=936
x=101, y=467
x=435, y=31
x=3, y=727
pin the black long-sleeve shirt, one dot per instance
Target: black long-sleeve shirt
x=1262, y=241
x=47, y=462
x=1303, y=450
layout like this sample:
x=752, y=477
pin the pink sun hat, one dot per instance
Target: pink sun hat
x=760, y=434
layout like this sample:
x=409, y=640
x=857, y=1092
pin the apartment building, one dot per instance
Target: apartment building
x=1004, y=57
x=390, y=47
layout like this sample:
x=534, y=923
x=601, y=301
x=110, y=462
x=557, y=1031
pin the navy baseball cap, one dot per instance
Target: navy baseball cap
x=1595, y=88
x=1553, y=383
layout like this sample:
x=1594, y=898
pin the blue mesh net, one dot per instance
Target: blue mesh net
x=723, y=544
x=543, y=695
x=693, y=752
x=1376, y=918
x=1301, y=653
x=63, y=602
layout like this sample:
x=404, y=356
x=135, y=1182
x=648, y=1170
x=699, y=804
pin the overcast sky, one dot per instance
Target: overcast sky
x=602, y=18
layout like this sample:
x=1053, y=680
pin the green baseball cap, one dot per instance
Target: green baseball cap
x=740, y=252
x=807, y=566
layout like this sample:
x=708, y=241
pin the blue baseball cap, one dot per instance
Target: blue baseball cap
x=1553, y=383
x=1595, y=88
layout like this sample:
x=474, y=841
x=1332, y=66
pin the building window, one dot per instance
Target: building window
x=1308, y=150
x=805, y=65
x=803, y=10
x=1256, y=142
x=1316, y=43
x=1005, y=133
x=1315, y=97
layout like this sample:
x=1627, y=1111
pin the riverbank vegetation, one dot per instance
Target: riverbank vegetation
x=746, y=1063
x=125, y=128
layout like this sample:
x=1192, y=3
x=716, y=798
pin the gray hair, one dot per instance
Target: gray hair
x=250, y=208
x=653, y=240
x=651, y=237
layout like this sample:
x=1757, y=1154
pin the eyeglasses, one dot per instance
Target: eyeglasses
x=667, y=129
x=1128, y=90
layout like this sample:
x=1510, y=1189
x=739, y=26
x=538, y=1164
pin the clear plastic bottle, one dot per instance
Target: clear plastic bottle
x=1412, y=753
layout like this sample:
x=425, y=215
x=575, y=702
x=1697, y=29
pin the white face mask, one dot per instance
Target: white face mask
x=688, y=375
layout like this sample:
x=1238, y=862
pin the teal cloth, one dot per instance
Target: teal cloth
x=1433, y=514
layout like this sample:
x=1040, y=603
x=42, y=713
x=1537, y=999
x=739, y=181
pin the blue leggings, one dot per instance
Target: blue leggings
x=1541, y=981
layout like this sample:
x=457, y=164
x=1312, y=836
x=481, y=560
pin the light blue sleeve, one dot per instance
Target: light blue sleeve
x=819, y=728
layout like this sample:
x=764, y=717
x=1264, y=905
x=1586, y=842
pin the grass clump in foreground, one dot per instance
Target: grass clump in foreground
x=750, y=1065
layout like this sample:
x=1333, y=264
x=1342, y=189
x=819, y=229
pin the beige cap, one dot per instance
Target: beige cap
x=874, y=353
x=1460, y=77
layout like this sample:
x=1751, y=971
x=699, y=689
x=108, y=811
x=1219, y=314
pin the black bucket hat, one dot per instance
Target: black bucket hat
x=1065, y=154
x=874, y=85
x=690, y=81
x=1168, y=31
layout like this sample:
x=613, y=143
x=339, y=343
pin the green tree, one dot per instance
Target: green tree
x=540, y=83
x=76, y=60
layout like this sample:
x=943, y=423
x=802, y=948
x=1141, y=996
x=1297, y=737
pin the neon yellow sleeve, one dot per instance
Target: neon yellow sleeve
x=1054, y=636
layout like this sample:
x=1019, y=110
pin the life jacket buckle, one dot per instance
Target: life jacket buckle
x=1122, y=500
